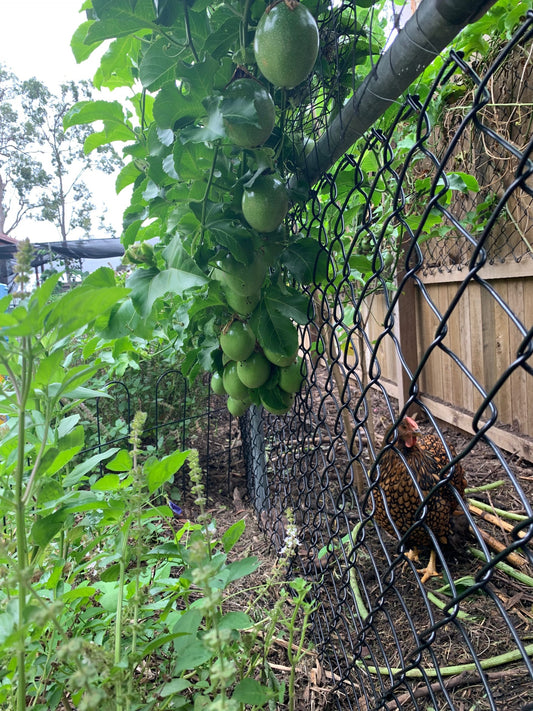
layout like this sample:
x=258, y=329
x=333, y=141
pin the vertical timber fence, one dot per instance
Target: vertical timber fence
x=424, y=307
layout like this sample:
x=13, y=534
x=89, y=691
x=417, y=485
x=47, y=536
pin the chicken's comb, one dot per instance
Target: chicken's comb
x=412, y=424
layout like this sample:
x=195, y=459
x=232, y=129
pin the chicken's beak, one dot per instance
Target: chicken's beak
x=414, y=427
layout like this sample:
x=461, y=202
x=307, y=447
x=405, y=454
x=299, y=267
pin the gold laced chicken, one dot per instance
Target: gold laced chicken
x=424, y=457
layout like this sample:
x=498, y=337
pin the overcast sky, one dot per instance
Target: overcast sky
x=35, y=42
x=35, y=39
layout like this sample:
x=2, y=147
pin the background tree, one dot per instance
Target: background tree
x=43, y=169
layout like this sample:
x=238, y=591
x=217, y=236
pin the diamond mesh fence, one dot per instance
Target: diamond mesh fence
x=422, y=307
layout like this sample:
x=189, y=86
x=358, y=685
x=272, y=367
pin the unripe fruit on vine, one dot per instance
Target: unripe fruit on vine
x=279, y=358
x=237, y=407
x=217, y=386
x=237, y=341
x=243, y=279
x=254, y=371
x=241, y=304
x=232, y=383
x=265, y=203
x=292, y=376
x=248, y=134
x=276, y=401
x=286, y=44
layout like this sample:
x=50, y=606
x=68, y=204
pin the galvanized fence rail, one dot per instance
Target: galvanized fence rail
x=436, y=188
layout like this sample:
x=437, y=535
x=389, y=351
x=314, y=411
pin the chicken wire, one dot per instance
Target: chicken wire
x=386, y=219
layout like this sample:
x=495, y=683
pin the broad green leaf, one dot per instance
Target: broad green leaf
x=232, y=535
x=83, y=468
x=50, y=490
x=234, y=236
x=306, y=260
x=67, y=425
x=74, y=377
x=274, y=331
x=79, y=592
x=8, y=622
x=109, y=482
x=44, y=529
x=158, y=64
x=42, y=295
x=221, y=42
x=251, y=692
x=191, y=160
x=128, y=175
x=191, y=655
x=80, y=306
x=199, y=77
x=463, y=182
x=239, y=110
x=174, y=108
x=116, y=71
x=158, y=472
x=83, y=393
x=55, y=459
x=121, y=463
x=63, y=457
x=287, y=302
x=80, y=49
x=189, y=622
x=50, y=369
x=177, y=257
x=124, y=320
x=123, y=21
x=112, y=132
x=235, y=621
x=212, y=127
x=148, y=285
x=234, y=571
x=109, y=597
x=88, y=111
x=175, y=686
x=111, y=573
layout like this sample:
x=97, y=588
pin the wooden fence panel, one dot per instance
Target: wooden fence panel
x=483, y=337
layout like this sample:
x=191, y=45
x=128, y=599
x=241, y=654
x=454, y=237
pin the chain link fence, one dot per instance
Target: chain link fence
x=414, y=313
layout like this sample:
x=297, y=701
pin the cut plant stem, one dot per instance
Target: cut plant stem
x=513, y=558
x=485, y=487
x=500, y=512
x=516, y=574
x=496, y=520
x=499, y=660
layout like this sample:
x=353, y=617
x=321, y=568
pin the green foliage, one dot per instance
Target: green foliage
x=186, y=174
x=95, y=586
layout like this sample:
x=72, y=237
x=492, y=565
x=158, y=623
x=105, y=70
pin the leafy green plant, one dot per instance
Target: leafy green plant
x=39, y=389
x=101, y=606
x=192, y=183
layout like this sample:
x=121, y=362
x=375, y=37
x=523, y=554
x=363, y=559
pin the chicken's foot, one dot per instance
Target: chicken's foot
x=431, y=570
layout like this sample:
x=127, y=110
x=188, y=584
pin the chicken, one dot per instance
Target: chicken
x=420, y=458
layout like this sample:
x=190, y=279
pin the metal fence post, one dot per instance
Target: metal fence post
x=255, y=458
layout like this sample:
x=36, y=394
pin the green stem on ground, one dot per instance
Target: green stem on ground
x=504, y=567
x=485, y=487
x=497, y=661
x=501, y=512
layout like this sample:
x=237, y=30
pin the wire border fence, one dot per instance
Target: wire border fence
x=387, y=640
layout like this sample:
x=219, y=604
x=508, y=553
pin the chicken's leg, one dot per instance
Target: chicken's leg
x=431, y=569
